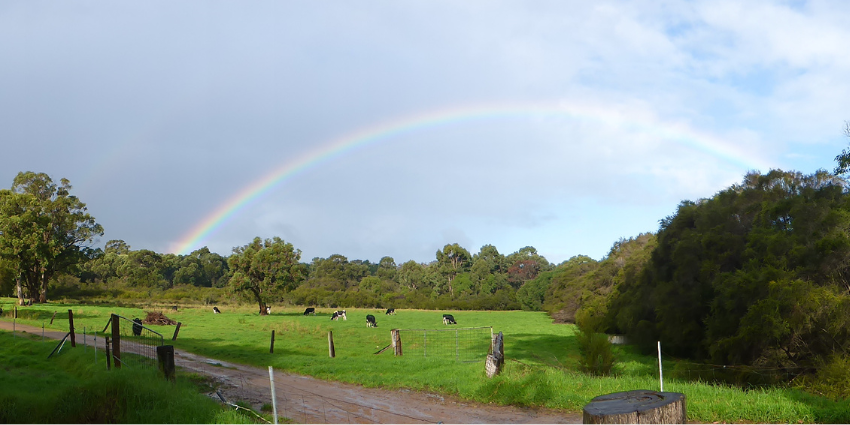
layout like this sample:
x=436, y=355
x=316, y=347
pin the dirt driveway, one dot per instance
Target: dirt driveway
x=304, y=399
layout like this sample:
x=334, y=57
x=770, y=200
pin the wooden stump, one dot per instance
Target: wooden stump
x=636, y=407
x=496, y=359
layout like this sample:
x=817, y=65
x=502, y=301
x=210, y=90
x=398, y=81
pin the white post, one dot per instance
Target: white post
x=274, y=399
x=660, y=375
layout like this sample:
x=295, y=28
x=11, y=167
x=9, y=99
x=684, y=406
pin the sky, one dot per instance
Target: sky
x=387, y=128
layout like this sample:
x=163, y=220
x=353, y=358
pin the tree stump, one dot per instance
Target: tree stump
x=636, y=407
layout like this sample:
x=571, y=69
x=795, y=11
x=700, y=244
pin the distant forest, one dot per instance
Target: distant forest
x=758, y=274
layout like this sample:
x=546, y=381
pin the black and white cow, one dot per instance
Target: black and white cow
x=370, y=321
x=310, y=310
x=268, y=309
x=216, y=310
x=390, y=311
x=137, y=326
x=338, y=314
x=448, y=319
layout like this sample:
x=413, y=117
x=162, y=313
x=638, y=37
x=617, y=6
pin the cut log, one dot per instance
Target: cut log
x=636, y=407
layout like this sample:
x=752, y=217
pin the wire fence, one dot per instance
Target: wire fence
x=459, y=344
x=137, y=339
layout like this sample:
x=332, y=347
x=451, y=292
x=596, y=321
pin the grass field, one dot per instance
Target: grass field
x=71, y=388
x=541, y=369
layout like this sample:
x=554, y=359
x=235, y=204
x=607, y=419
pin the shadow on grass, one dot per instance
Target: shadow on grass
x=232, y=352
x=563, y=352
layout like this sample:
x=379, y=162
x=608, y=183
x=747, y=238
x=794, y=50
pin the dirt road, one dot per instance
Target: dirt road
x=304, y=399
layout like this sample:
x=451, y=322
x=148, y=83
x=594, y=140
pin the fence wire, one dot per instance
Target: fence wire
x=459, y=344
x=139, y=340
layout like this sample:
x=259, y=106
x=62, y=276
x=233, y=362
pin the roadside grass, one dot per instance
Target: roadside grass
x=541, y=368
x=71, y=388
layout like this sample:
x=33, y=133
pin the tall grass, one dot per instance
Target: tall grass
x=542, y=366
x=71, y=388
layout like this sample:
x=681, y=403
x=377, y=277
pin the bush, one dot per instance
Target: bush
x=832, y=379
x=595, y=351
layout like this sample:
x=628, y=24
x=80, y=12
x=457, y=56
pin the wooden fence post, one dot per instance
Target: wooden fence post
x=108, y=357
x=174, y=338
x=396, y=338
x=165, y=356
x=493, y=365
x=54, y=316
x=271, y=347
x=116, y=340
x=71, y=325
x=331, y=350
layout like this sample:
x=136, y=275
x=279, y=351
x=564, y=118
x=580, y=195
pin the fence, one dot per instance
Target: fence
x=460, y=344
x=130, y=336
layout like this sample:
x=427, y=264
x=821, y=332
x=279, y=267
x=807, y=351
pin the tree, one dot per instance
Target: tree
x=44, y=228
x=843, y=158
x=264, y=268
x=387, y=268
x=453, y=259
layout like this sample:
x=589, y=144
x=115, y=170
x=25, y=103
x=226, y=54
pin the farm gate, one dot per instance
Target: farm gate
x=134, y=338
x=459, y=344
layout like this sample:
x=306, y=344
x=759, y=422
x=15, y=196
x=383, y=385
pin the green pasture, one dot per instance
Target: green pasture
x=541, y=367
x=70, y=387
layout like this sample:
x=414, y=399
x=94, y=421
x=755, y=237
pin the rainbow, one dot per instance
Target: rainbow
x=407, y=124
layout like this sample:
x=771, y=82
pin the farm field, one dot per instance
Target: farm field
x=541, y=370
x=71, y=388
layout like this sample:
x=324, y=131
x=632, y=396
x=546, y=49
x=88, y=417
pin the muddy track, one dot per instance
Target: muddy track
x=305, y=399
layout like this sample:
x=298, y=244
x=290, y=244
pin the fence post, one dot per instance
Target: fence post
x=108, y=356
x=331, y=351
x=174, y=338
x=53, y=317
x=271, y=347
x=274, y=398
x=495, y=360
x=71, y=325
x=396, y=338
x=116, y=340
x=165, y=357
x=457, y=349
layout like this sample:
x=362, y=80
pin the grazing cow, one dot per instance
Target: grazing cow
x=370, y=321
x=174, y=308
x=268, y=309
x=339, y=313
x=310, y=310
x=448, y=319
x=216, y=310
x=390, y=311
x=137, y=326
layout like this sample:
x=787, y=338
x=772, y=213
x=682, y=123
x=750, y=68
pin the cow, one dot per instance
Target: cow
x=339, y=313
x=137, y=326
x=216, y=310
x=448, y=319
x=174, y=308
x=310, y=310
x=268, y=309
x=390, y=311
x=370, y=321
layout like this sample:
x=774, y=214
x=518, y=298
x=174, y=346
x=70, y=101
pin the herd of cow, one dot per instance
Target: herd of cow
x=371, y=322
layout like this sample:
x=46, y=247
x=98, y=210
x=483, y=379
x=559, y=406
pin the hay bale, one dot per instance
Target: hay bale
x=157, y=318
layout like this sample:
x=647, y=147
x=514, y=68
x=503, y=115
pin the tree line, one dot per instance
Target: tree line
x=757, y=275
